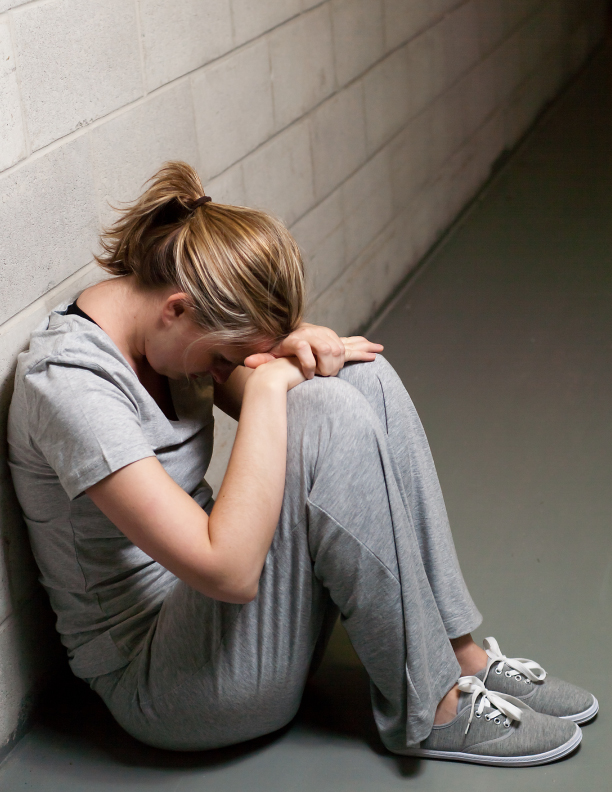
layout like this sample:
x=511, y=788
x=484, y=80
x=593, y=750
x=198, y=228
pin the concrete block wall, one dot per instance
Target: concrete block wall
x=365, y=124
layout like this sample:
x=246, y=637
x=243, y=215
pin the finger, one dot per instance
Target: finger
x=360, y=341
x=361, y=349
x=304, y=354
x=322, y=353
x=258, y=359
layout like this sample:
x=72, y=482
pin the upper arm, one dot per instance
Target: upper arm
x=150, y=508
x=84, y=424
x=228, y=396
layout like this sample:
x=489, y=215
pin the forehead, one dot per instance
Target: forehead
x=236, y=351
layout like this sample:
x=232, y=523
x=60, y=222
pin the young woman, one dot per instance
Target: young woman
x=196, y=621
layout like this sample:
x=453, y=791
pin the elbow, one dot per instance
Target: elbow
x=245, y=595
x=237, y=590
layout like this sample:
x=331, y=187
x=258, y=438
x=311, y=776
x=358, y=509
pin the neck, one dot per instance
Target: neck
x=124, y=311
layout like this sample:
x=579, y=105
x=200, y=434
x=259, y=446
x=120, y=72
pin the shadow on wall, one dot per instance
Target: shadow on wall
x=35, y=653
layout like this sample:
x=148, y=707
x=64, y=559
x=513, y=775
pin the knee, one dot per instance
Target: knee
x=325, y=398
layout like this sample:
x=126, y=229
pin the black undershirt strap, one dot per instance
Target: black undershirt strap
x=73, y=308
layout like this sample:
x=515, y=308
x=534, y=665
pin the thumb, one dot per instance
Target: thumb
x=258, y=359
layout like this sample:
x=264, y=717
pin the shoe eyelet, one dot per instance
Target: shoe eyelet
x=506, y=725
x=498, y=671
x=508, y=674
x=497, y=720
x=518, y=678
x=478, y=716
x=528, y=681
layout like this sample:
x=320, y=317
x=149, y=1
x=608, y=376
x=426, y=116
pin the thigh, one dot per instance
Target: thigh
x=213, y=673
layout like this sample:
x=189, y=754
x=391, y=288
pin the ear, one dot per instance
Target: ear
x=175, y=308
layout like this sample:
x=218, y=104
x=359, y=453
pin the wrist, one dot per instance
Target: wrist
x=265, y=377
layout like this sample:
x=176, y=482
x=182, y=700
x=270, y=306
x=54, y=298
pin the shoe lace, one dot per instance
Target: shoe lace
x=531, y=670
x=500, y=703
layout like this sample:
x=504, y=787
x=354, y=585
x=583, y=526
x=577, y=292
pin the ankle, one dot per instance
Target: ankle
x=471, y=657
x=447, y=708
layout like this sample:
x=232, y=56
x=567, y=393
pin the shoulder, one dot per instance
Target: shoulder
x=70, y=362
x=70, y=340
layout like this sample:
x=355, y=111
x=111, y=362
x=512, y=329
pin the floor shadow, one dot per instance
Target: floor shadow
x=71, y=710
x=336, y=702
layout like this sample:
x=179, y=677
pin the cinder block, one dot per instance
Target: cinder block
x=516, y=11
x=368, y=203
x=233, y=107
x=278, y=176
x=553, y=25
x=519, y=113
x=19, y=575
x=441, y=7
x=302, y=58
x=437, y=53
x=448, y=123
x=507, y=61
x=578, y=47
x=358, y=36
x=12, y=141
x=480, y=94
x=428, y=216
x=6, y=4
x=228, y=187
x=597, y=21
x=308, y=4
x=552, y=73
x=459, y=179
x=75, y=65
x=49, y=222
x=180, y=37
x=254, y=17
x=388, y=98
x=489, y=143
x=31, y=653
x=405, y=18
x=411, y=162
x=129, y=149
x=462, y=44
x=338, y=138
x=225, y=434
x=355, y=296
x=491, y=25
x=320, y=235
x=6, y=605
x=425, y=68
x=534, y=42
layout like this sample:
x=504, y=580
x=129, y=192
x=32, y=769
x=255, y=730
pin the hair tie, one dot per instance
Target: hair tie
x=200, y=202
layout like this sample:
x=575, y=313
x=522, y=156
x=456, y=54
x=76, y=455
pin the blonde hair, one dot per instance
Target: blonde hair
x=241, y=268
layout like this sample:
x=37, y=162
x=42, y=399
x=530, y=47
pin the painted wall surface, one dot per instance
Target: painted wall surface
x=365, y=124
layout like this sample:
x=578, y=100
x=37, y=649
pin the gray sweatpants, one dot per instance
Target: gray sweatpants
x=363, y=527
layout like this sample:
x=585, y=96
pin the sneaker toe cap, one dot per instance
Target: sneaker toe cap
x=561, y=699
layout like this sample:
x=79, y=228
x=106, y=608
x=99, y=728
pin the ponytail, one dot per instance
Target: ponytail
x=240, y=267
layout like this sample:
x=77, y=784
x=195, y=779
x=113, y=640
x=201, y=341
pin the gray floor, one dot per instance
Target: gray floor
x=504, y=340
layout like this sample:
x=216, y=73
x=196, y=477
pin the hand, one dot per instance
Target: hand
x=285, y=372
x=319, y=351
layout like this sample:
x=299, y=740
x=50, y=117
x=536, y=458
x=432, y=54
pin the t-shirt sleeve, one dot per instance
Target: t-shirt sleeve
x=83, y=423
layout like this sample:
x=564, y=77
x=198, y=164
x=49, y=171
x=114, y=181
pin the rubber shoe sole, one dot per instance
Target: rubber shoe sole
x=586, y=716
x=502, y=761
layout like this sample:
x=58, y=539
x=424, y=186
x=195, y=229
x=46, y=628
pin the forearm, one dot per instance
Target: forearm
x=229, y=395
x=244, y=518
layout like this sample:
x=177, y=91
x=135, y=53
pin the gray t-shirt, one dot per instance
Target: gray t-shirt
x=78, y=414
